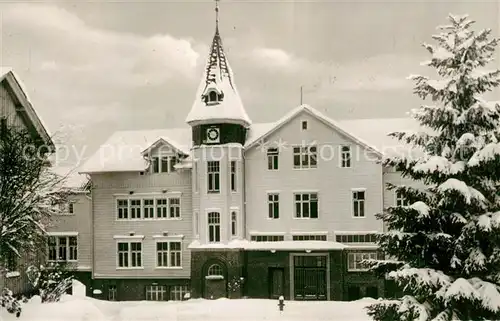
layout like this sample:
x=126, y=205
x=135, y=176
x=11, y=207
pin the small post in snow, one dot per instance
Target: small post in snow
x=281, y=303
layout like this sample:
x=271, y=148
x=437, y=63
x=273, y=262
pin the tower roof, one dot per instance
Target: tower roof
x=218, y=79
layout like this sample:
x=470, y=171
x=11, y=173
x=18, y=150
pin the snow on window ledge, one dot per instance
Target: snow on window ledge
x=214, y=277
x=97, y=291
x=12, y=274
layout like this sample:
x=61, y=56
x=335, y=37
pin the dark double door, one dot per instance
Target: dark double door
x=310, y=277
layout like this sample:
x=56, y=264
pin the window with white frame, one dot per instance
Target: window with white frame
x=175, y=207
x=345, y=156
x=123, y=254
x=233, y=176
x=358, y=202
x=66, y=208
x=168, y=254
x=267, y=238
x=306, y=205
x=155, y=164
x=355, y=260
x=149, y=208
x=272, y=158
x=273, y=204
x=136, y=254
x=163, y=164
x=305, y=157
x=355, y=238
x=309, y=237
x=156, y=293
x=175, y=254
x=213, y=176
x=161, y=208
x=129, y=254
x=62, y=248
x=213, y=227
x=234, y=223
x=52, y=248
x=401, y=200
x=122, y=206
x=177, y=292
x=135, y=208
x=214, y=269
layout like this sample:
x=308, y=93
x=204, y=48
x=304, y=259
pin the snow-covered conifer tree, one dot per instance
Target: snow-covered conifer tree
x=443, y=246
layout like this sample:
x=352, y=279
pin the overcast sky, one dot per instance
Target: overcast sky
x=97, y=67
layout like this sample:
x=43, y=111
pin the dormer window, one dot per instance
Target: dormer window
x=213, y=97
x=163, y=164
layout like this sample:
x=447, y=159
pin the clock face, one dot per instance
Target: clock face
x=213, y=133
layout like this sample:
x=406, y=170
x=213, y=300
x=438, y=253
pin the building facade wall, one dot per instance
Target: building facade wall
x=134, y=289
x=8, y=108
x=80, y=221
x=109, y=187
x=227, y=200
x=333, y=184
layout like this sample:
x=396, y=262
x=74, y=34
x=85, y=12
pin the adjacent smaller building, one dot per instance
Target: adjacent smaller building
x=70, y=232
x=16, y=110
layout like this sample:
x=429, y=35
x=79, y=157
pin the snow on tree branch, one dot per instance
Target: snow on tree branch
x=446, y=237
x=29, y=193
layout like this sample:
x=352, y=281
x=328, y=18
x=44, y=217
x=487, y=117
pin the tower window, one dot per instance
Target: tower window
x=213, y=227
x=212, y=96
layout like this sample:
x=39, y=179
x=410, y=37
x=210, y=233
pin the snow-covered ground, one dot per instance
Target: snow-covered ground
x=72, y=308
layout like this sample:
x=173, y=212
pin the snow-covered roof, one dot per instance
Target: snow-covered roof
x=122, y=152
x=270, y=246
x=376, y=131
x=28, y=113
x=72, y=178
x=325, y=119
x=218, y=76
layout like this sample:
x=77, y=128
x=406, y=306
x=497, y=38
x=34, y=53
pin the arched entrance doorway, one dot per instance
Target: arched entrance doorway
x=215, y=280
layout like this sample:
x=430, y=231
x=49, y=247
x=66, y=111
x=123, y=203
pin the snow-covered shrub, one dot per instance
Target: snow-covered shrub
x=10, y=303
x=51, y=282
x=443, y=247
x=234, y=284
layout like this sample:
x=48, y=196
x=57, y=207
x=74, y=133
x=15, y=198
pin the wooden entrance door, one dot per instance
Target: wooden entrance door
x=276, y=282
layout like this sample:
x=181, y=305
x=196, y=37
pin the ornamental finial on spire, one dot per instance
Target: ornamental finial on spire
x=217, y=15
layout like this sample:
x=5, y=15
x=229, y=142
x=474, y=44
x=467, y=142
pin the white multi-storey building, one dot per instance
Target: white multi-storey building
x=230, y=208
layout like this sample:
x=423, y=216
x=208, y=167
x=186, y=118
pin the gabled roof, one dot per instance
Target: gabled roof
x=23, y=105
x=253, y=141
x=218, y=76
x=179, y=148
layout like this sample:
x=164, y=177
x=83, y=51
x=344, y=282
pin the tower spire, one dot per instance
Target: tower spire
x=217, y=99
x=217, y=16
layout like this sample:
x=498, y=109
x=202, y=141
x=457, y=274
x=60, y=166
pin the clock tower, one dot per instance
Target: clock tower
x=219, y=125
